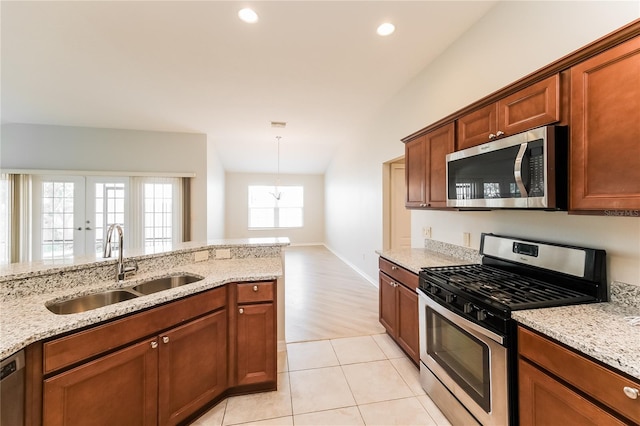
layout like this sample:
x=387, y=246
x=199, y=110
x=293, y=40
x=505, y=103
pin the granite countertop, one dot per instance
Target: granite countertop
x=599, y=330
x=414, y=259
x=25, y=319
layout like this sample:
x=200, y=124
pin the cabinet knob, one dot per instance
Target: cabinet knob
x=154, y=344
x=391, y=283
x=241, y=311
x=394, y=268
x=492, y=136
x=255, y=288
x=499, y=133
x=631, y=392
x=165, y=339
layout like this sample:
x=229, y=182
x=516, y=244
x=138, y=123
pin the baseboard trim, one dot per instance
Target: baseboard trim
x=354, y=267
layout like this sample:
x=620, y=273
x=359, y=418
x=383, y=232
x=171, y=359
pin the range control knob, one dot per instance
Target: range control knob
x=467, y=308
x=434, y=290
x=449, y=298
x=481, y=315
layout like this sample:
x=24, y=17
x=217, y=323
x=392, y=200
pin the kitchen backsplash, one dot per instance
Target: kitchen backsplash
x=465, y=253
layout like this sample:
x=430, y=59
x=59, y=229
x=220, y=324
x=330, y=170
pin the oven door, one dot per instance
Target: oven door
x=469, y=360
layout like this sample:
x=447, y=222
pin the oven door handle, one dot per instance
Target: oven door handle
x=468, y=326
x=517, y=170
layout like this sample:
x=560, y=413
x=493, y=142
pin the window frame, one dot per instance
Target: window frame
x=273, y=189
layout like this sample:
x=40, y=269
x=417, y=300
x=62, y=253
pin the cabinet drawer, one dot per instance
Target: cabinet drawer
x=256, y=292
x=76, y=347
x=602, y=384
x=398, y=273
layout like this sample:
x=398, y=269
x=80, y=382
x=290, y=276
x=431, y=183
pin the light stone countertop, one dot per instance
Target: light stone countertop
x=414, y=259
x=598, y=330
x=25, y=319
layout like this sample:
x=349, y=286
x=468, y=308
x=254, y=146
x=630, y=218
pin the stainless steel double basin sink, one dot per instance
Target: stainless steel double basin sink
x=97, y=300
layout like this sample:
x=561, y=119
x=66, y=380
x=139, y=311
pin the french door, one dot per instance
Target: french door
x=71, y=214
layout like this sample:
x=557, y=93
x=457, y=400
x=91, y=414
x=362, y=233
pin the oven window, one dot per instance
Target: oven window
x=461, y=355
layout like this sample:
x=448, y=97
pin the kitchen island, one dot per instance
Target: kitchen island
x=159, y=357
x=27, y=288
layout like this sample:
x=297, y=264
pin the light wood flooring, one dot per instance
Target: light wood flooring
x=325, y=298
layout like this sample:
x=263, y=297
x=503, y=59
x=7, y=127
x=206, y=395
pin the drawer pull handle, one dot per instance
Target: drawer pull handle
x=154, y=344
x=241, y=311
x=631, y=392
x=255, y=288
x=394, y=268
x=165, y=339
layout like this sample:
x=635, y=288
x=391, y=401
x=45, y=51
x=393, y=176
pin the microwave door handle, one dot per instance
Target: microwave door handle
x=517, y=170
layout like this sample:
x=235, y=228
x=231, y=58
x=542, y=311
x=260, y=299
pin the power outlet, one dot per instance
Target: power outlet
x=426, y=231
x=466, y=239
x=201, y=256
x=223, y=253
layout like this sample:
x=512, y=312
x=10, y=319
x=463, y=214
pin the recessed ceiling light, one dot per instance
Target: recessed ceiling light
x=386, y=29
x=248, y=15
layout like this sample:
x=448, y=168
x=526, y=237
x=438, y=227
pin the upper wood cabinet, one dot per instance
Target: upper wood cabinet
x=535, y=105
x=426, y=167
x=605, y=132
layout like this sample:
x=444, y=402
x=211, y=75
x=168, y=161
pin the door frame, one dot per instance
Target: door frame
x=386, y=200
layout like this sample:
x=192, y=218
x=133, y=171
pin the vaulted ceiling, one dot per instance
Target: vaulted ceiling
x=193, y=66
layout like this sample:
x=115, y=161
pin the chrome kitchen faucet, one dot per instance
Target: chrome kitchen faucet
x=122, y=271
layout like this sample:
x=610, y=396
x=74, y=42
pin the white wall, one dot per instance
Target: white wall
x=215, y=193
x=237, y=199
x=28, y=146
x=511, y=41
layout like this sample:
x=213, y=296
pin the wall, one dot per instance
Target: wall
x=215, y=193
x=501, y=48
x=237, y=198
x=27, y=146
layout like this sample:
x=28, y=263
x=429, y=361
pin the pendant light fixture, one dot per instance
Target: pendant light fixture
x=277, y=194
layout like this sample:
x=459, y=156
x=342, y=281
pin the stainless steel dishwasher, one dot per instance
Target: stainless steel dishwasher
x=12, y=390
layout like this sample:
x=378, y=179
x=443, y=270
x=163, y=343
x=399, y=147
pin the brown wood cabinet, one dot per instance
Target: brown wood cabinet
x=160, y=366
x=425, y=165
x=560, y=386
x=533, y=106
x=163, y=379
x=605, y=132
x=398, y=307
x=192, y=367
x=118, y=389
x=256, y=338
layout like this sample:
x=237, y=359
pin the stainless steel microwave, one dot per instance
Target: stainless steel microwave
x=523, y=171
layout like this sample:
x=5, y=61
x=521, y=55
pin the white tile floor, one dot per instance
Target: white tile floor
x=349, y=381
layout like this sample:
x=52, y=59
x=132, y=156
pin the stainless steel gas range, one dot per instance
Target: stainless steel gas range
x=468, y=345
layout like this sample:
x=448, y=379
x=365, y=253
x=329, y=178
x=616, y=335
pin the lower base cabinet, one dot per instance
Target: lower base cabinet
x=118, y=389
x=192, y=368
x=206, y=347
x=398, y=307
x=560, y=386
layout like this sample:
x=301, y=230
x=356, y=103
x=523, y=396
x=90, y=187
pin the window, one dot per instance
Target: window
x=265, y=211
x=158, y=217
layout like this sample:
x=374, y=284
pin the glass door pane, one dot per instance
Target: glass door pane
x=58, y=216
x=108, y=203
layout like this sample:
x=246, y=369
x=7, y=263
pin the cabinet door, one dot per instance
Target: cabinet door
x=407, y=330
x=534, y=106
x=256, y=350
x=414, y=156
x=387, y=304
x=440, y=142
x=193, y=366
x=117, y=389
x=475, y=127
x=605, y=130
x=545, y=401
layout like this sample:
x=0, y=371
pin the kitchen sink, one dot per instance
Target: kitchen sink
x=90, y=301
x=160, y=284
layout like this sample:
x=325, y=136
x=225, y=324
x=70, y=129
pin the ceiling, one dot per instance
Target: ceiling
x=185, y=66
